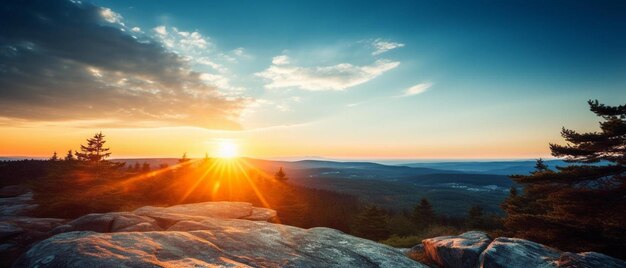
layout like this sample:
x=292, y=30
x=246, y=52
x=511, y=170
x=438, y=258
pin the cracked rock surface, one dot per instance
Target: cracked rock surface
x=229, y=234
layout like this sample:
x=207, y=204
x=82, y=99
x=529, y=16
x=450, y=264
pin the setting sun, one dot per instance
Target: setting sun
x=227, y=149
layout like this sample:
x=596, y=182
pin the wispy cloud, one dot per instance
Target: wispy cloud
x=198, y=49
x=283, y=74
x=382, y=46
x=416, y=89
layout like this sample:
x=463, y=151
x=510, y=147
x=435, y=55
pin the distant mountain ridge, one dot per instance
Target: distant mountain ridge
x=522, y=167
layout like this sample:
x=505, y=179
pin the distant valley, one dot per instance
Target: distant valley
x=452, y=187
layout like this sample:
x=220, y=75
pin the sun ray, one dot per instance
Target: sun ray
x=201, y=179
x=253, y=186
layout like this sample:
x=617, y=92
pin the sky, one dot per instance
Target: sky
x=303, y=79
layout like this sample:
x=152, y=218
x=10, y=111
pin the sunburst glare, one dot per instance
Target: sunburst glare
x=227, y=149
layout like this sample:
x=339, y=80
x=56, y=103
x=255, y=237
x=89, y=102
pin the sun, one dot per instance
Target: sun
x=227, y=149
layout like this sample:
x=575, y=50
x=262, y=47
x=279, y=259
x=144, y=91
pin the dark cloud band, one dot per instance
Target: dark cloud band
x=61, y=60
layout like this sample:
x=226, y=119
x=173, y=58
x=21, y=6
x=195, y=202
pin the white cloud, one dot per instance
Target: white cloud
x=181, y=41
x=191, y=39
x=280, y=60
x=240, y=52
x=281, y=74
x=208, y=62
x=161, y=30
x=417, y=89
x=110, y=16
x=382, y=46
x=136, y=29
x=221, y=82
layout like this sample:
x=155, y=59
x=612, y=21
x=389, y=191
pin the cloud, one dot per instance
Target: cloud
x=417, y=89
x=181, y=41
x=240, y=52
x=198, y=49
x=382, y=46
x=110, y=16
x=67, y=61
x=281, y=74
x=161, y=30
x=280, y=60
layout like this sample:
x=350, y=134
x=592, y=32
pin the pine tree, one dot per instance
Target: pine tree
x=183, y=159
x=475, y=217
x=94, y=151
x=579, y=207
x=69, y=156
x=280, y=175
x=371, y=223
x=423, y=214
x=513, y=192
x=54, y=157
x=145, y=167
x=540, y=166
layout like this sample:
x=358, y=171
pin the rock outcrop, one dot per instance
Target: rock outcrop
x=16, y=201
x=456, y=251
x=203, y=235
x=476, y=249
x=18, y=232
x=236, y=234
x=515, y=252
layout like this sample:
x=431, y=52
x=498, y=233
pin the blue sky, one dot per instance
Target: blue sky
x=394, y=79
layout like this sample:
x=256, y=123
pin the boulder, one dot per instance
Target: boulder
x=515, y=252
x=475, y=249
x=456, y=251
x=215, y=242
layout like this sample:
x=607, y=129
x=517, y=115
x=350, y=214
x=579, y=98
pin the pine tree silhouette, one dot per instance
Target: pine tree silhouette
x=580, y=207
x=69, y=156
x=423, y=214
x=540, y=166
x=94, y=151
x=54, y=157
x=372, y=223
x=280, y=175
